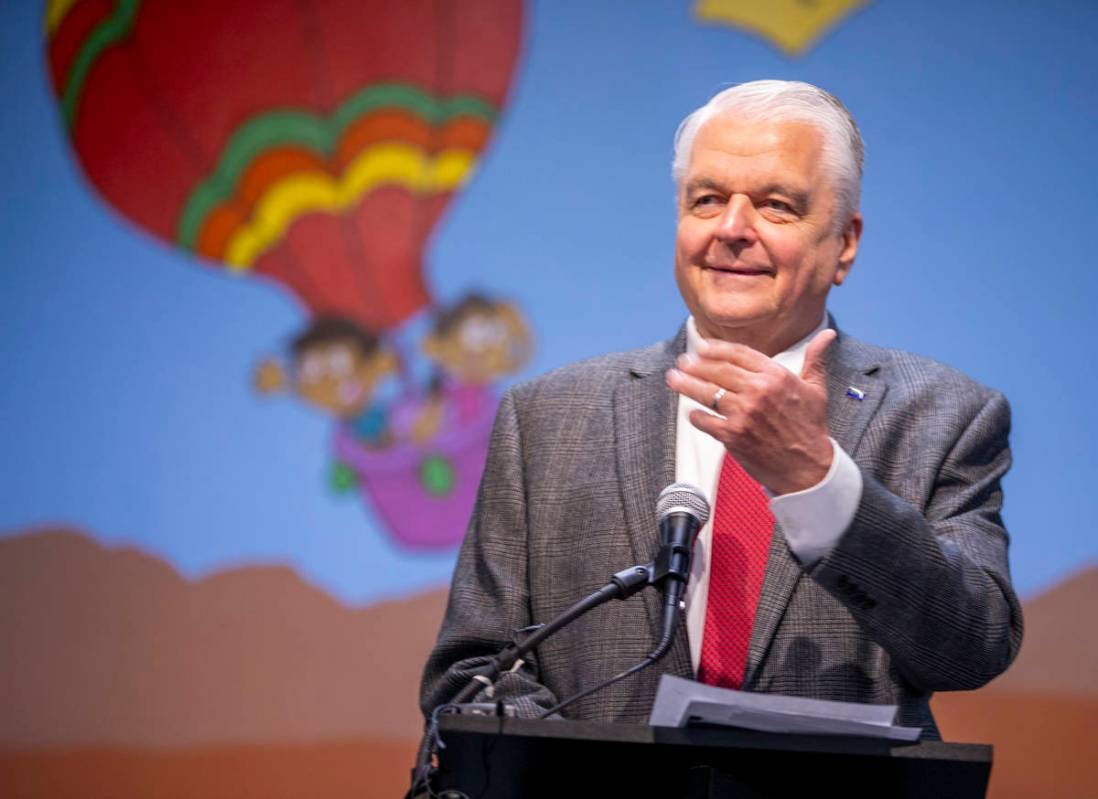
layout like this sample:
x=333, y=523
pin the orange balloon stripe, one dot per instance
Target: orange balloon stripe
x=386, y=125
x=464, y=133
x=218, y=230
x=468, y=133
x=272, y=166
x=262, y=173
x=384, y=163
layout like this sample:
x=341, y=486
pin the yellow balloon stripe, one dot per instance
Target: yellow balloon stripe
x=55, y=12
x=308, y=192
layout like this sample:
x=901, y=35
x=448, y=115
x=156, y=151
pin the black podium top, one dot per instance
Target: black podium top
x=505, y=757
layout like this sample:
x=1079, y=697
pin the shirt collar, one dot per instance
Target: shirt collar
x=792, y=358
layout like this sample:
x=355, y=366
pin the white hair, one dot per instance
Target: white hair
x=784, y=100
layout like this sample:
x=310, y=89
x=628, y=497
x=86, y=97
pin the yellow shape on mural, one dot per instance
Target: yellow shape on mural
x=302, y=193
x=792, y=25
x=55, y=12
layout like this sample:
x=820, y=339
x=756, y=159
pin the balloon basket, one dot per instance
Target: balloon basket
x=423, y=492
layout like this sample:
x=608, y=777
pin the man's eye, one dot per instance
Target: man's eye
x=778, y=205
x=706, y=199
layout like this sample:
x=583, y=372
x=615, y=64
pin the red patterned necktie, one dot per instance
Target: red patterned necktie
x=742, y=528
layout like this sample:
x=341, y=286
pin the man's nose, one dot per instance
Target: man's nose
x=737, y=224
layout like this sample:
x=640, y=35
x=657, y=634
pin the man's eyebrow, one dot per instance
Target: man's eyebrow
x=799, y=198
x=697, y=184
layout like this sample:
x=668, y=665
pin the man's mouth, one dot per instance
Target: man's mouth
x=746, y=271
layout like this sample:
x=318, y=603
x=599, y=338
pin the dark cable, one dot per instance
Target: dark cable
x=648, y=661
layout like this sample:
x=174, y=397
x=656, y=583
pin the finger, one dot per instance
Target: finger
x=710, y=423
x=814, y=370
x=701, y=391
x=739, y=354
x=719, y=373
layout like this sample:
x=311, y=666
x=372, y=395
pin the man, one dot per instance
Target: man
x=856, y=550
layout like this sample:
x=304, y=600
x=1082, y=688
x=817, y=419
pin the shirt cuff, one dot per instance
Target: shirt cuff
x=814, y=519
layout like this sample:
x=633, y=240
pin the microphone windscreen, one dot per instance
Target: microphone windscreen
x=683, y=498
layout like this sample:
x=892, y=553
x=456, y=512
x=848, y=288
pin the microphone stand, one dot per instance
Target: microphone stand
x=682, y=510
x=622, y=585
x=672, y=564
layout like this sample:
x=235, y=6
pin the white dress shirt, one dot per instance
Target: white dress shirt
x=812, y=520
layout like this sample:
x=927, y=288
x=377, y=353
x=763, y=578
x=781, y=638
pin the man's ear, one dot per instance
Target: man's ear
x=851, y=235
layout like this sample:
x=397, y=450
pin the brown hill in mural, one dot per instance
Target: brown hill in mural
x=252, y=682
x=1060, y=651
x=112, y=646
x=1044, y=744
x=1042, y=715
x=352, y=769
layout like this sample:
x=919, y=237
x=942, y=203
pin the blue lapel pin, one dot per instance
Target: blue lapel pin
x=855, y=393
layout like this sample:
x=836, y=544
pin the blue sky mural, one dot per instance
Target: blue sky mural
x=128, y=409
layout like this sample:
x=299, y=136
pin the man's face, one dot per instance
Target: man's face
x=758, y=246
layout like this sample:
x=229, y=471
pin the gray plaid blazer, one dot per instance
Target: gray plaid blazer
x=915, y=597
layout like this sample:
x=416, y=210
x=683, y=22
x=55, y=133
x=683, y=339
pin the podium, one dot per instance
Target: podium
x=493, y=757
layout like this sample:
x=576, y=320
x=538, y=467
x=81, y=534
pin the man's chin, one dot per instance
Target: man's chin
x=731, y=325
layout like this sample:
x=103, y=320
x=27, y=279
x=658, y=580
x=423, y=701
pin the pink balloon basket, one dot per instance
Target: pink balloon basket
x=424, y=492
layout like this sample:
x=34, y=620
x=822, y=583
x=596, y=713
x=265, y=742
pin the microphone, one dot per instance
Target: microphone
x=682, y=510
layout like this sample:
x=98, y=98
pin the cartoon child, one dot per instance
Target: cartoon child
x=479, y=340
x=473, y=343
x=337, y=367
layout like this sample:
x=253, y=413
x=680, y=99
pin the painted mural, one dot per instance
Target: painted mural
x=315, y=146
x=791, y=25
x=268, y=266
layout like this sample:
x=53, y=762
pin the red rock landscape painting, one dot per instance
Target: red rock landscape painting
x=121, y=678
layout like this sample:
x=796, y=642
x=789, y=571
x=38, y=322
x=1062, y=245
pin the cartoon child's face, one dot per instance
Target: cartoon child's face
x=338, y=378
x=484, y=345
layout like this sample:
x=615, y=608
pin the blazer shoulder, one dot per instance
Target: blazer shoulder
x=599, y=375
x=917, y=378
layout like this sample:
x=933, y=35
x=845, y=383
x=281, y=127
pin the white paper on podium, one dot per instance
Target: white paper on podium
x=680, y=702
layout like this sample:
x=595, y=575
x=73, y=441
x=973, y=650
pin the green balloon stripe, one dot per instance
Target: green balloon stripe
x=110, y=30
x=305, y=129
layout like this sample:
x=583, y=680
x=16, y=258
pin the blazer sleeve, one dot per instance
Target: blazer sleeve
x=931, y=585
x=489, y=595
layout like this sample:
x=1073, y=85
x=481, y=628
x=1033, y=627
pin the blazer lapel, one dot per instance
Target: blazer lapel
x=644, y=435
x=854, y=392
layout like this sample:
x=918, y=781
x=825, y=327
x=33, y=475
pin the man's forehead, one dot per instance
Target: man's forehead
x=772, y=153
x=756, y=132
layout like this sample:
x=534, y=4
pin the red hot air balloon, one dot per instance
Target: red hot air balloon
x=315, y=142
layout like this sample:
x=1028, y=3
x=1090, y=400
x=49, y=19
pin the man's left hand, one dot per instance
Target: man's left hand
x=770, y=420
